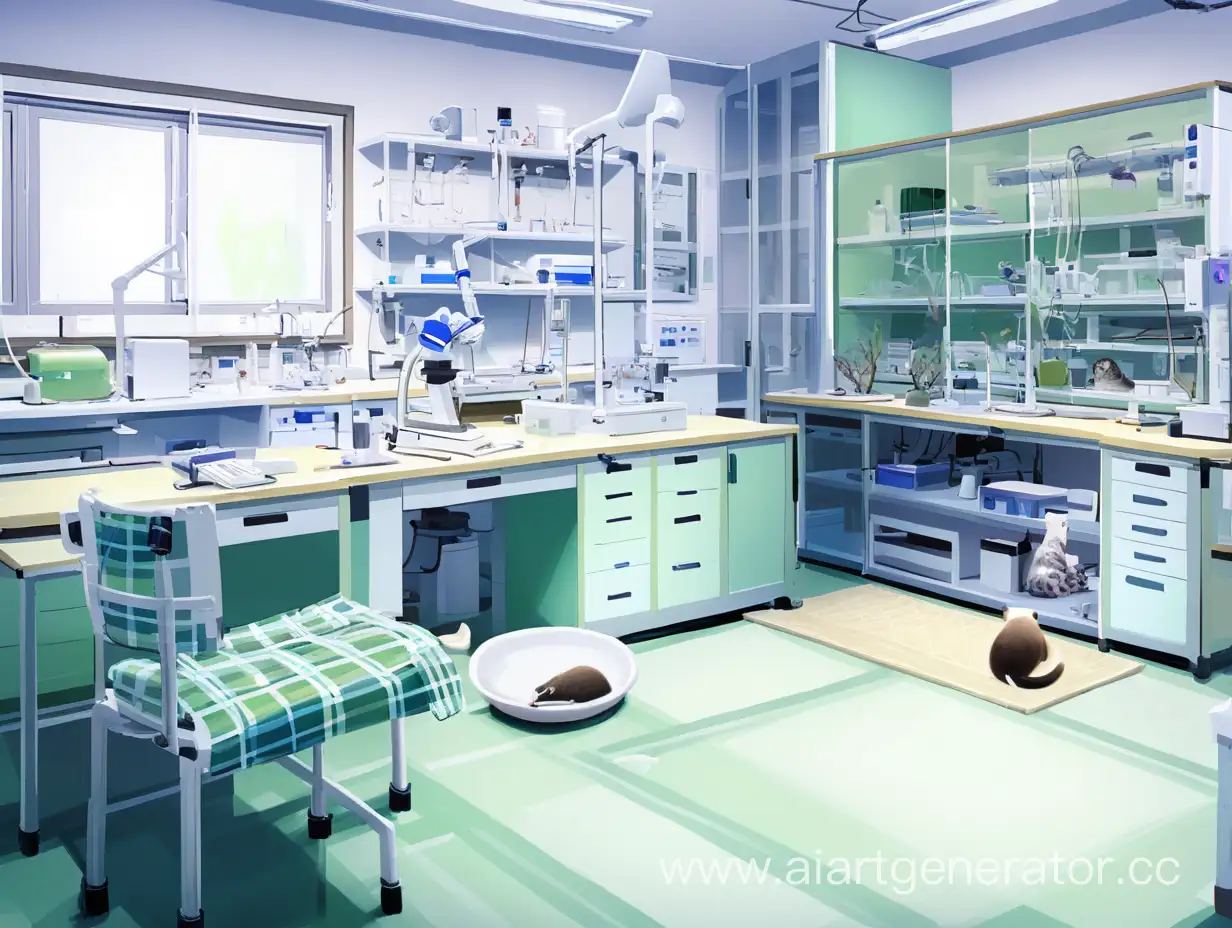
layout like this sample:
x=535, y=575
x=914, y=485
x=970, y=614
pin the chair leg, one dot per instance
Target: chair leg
x=399, y=788
x=191, y=914
x=94, y=899
x=320, y=824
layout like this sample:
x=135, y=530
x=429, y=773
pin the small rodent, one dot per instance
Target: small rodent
x=1018, y=651
x=578, y=684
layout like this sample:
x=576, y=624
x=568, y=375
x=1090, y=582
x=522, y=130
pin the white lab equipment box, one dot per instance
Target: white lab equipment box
x=1004, y=564
x=157, y=368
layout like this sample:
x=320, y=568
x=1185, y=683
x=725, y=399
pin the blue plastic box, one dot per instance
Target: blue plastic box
x=912, y=476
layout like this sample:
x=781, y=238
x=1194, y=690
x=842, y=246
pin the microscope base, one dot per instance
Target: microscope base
x=472, y=443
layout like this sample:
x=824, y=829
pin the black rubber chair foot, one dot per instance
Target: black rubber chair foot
x=399, y=799
x=28, y=842
x=1223, y=902
x=197, y=921
x=320, y=827
x=1201, y=669
x=94, y=900
x=1103, y=645
x=391, y=898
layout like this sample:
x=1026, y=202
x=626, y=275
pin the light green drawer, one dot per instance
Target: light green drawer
x=600, y=488
x=621, y=518
x=60, y=611
x=612, y=593
x=65, y=671
x=615, y=555
x=689, y=547
x=700, y=469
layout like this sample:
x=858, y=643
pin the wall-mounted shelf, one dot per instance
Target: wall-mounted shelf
x=374, y=150
x=372, y=232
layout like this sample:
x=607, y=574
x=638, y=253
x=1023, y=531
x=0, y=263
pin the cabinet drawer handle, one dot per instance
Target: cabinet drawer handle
x=613, y=466
x=620, y=519
x=1155, y=470
x=1148, y=530
x=618, y=495
x=683, y=519
x=268, y=518
x=621, y=565
x=692, y=566
x=1145, y=584
x=686, y=459
x=1150, y=558
x=476, y=483
x=686, y=492
x=1149, y=500
x=619, y=596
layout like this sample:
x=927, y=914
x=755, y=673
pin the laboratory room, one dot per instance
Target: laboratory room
x=643, y=464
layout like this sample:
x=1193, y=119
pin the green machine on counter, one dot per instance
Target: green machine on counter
x=66, y=374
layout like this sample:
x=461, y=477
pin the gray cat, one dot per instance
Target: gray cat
x=1054, y=572
x=1107, y=375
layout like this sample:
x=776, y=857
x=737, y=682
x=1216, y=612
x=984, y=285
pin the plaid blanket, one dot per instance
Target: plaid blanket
x=287, y=683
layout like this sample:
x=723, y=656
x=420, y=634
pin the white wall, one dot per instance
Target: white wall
x=1140, y=56
x=395, y=81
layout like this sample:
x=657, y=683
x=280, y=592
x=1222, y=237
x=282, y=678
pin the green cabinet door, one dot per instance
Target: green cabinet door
x=757, y=504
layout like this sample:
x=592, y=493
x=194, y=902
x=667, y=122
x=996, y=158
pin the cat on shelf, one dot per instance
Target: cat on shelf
x=1054, y=572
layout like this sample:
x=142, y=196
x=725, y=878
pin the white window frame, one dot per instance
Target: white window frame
x=196, y=319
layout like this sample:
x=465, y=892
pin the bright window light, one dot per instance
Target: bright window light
x=958, y=17
x=103, y=206
x=260, y=226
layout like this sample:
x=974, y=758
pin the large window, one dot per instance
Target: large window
x=239, y=195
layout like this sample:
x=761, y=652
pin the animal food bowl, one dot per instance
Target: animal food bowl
x=507, y=669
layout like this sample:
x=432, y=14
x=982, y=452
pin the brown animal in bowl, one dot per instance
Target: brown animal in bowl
x=1019, y=650
x=578, y=684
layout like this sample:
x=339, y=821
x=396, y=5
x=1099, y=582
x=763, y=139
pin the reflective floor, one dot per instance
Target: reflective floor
x=750, y=779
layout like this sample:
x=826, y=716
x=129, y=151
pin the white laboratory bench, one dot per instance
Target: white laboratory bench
x=1153, y=542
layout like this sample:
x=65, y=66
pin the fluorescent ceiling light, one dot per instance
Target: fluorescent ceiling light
x=967, y=14
x=596, y=15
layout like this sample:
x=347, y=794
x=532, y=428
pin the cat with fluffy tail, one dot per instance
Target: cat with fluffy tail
x=1054, y=572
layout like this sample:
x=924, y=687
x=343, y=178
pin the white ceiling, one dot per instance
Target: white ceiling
x=727, y=32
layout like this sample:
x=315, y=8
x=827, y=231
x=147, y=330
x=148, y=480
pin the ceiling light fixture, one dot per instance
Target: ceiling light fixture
x=595, y=15
x=967, y=14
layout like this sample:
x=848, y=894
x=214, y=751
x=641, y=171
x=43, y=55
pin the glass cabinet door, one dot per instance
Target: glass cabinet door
x=890, y=266
x=832, y=527
x=1111, y=216
x=787, y=104
x=735, y=252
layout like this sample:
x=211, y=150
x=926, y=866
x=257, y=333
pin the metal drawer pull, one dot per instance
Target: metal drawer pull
x=1151, y=558
x=476, y=483
x=620, y=519
x=618, y=495
x=686, y=459
x=686, y=492
x=268, y=518
x=621, y=565
x=1149, y=501
x=1147, y=530
x=619, y=596
x=1156, y=470
x=683, y=519
x=613, y=466
x=692, y=566
x=1145, y=584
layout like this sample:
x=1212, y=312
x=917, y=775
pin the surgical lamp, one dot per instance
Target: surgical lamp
x=647, y=94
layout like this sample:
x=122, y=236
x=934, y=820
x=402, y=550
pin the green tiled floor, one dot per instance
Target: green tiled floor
x=845, y=785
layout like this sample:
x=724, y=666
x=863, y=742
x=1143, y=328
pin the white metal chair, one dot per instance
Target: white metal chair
x=260, y=693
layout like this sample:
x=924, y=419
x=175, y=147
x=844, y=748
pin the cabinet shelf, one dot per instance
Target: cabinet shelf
x=374, y=150
x=946, y=500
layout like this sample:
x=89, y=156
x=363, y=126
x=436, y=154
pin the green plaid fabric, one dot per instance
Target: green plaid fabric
x=284, y=684
x=126, y=564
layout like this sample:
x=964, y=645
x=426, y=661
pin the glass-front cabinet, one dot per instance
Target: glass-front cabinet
x=1073, y=236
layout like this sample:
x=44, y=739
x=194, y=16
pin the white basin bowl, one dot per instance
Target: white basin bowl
x=506, y=669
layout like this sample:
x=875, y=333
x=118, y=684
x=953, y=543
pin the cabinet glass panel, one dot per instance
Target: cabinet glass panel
x=890, y=264
x=990, y=235
x=833, y=516
x=805, y=143
x=770, y=180
x=735, y=253
x=1113, y=219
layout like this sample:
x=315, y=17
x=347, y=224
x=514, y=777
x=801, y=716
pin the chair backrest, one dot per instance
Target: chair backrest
x=139, y=562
